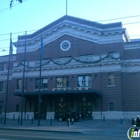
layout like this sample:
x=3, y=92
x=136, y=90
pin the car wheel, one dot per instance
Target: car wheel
x=60, y=119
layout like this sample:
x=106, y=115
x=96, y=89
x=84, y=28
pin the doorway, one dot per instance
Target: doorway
x=86, y=108
x=60, y=107
x=43, y=110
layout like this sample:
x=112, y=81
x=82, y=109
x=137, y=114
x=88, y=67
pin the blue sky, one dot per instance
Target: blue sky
x=32, y=15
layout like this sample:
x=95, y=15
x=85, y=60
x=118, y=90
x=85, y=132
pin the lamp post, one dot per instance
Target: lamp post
x=7, y=84
x=22, y=104
x=39, y=94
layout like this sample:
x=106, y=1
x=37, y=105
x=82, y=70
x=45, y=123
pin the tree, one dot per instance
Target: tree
x=11, y=2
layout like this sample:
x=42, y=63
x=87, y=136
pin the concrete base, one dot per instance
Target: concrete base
x=15, y=115
x=114, y=115
x=95, y=115
x=50, y=115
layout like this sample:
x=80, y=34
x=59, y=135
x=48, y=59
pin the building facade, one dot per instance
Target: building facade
x=85, y=66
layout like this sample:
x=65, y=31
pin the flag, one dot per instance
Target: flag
x=20, y=1
x=42, y=48
x=11, y=47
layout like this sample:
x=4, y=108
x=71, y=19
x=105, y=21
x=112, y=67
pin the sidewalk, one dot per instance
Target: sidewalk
x=95, y=127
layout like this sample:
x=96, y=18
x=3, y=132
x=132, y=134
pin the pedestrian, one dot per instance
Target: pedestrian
x=138, y=121
x=133, y=121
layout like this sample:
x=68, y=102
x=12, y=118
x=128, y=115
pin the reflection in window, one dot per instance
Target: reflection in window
x=111, y=80
x=44, y=83
x=62, y=82
x=2, y=66
x=84, y=81
x=2, y=86
x=19, y=84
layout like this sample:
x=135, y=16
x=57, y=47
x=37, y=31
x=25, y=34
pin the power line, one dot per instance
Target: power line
x=119, y=18
x=131, y=23
x=17, y=32
x=97, y=21
x=7, y=39
x=52, y=45
x=38, y=29
x=12, y=6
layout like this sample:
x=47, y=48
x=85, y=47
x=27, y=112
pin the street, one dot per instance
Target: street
x=36, y=135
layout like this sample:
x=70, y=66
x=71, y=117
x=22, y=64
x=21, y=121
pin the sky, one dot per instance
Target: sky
x=31, y=15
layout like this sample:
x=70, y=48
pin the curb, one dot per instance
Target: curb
x=39, y=130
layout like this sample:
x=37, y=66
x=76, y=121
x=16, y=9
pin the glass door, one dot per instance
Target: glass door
x=43, y=110
x=86, y=108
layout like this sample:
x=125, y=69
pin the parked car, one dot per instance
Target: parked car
x=70, y=114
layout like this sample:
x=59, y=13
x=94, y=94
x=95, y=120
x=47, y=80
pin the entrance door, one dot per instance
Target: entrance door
x=43, y=110
x=86, y=108
x=60, y=107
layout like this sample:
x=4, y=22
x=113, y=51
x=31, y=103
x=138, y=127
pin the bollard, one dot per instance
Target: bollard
x=103, y=118
x=18, y=119
x=13, y=116
x=51, y=121
x=121, y=120
x=68, y=122
x=32, y=120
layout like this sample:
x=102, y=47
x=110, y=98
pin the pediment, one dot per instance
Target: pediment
x=86, y=30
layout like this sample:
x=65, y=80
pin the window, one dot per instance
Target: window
x=111, y=106
x=111, y=79
x=2, y=66
x=62, y=82
x=44, y=83
x=84, y=81
x=19, y=84
x=2, y=86
x=17, y=108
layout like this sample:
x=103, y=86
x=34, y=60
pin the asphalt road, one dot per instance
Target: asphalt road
x=35, y=135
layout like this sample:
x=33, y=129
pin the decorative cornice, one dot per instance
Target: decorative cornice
x=130, y=46
x=6, y=58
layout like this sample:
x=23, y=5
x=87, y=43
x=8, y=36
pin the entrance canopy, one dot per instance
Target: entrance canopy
x=59, y=92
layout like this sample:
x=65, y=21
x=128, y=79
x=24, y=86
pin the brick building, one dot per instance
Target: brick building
x=87, y=66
